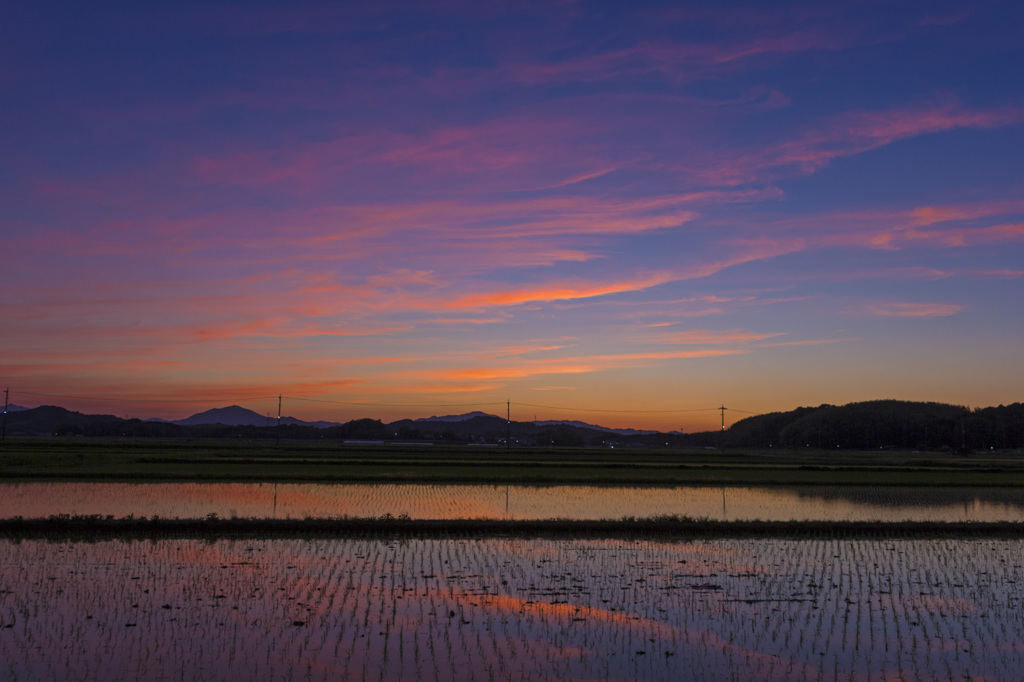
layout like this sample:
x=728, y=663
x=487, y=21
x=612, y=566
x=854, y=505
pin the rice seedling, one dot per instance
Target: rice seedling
x=500, y=608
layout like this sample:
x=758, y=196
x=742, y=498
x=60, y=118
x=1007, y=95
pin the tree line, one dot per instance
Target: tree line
x=871, y=425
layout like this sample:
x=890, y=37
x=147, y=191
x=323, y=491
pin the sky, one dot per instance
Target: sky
x=623, y=213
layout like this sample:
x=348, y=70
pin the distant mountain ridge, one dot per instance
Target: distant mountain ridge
x=871, y=425
x=232, y=415
x=235, y=415
x=456, y=417
x=585, y=425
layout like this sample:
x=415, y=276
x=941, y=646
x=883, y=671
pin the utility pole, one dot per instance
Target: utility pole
x=508, y=424
x=6, y=392
x=278, y=431
x=721, y=442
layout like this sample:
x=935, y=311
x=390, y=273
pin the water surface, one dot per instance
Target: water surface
x=499, y=608
x=300, y=500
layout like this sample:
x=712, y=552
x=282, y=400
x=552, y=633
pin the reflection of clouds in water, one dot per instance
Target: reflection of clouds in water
x=513, y=609
x=418, y=501
x=450, y=501
x=949, y=605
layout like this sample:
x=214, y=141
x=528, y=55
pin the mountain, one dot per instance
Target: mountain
x=884, y=425
x=319, y=424
x=877, y=425
x=229, y=416
x=17, y=408
x=240, y=416
x=451, y=418
x=584, y=425
x=48, y=420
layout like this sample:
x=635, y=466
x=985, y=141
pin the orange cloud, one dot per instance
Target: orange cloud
x=570, y=365
x=559, y=292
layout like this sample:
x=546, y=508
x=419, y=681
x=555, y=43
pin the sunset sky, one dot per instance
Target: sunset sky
x=623, y=213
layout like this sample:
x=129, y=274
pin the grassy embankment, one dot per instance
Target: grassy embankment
x=157, y=460
x=95, y=529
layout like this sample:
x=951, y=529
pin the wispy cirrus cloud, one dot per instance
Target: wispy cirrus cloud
x=563, y=291
x=808, y=342
x=711, y=337
x=518, y=153
x=907, y=309
x=525, y=368
x=961, y=225
x=676, y=60
x=850, y=134
x=949, y=236
x=1006, y=273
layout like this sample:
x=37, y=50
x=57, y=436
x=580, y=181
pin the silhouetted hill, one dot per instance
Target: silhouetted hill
x=585, y=425
x=482, y=425
x=456, y=417
x=872, y=425
x=884, y=424
x=228, y=416
x=240, y=416
x=50, y=420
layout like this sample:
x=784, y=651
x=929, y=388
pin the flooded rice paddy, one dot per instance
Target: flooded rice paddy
x=426, y=501
x=492, y=609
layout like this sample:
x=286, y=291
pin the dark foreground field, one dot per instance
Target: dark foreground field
x=160, y=460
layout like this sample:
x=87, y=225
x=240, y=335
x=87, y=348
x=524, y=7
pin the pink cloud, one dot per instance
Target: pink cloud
x=899, y=309
x=709, y=337
x=935, y=226
x=675, y=60
x=852, y=134
x=466, y=320
x=517, y=153
x=808, y=342
x=1003, y=274
x=524, y=349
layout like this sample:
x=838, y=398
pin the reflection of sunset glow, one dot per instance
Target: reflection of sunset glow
x=513, y=608
x=425, y=501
